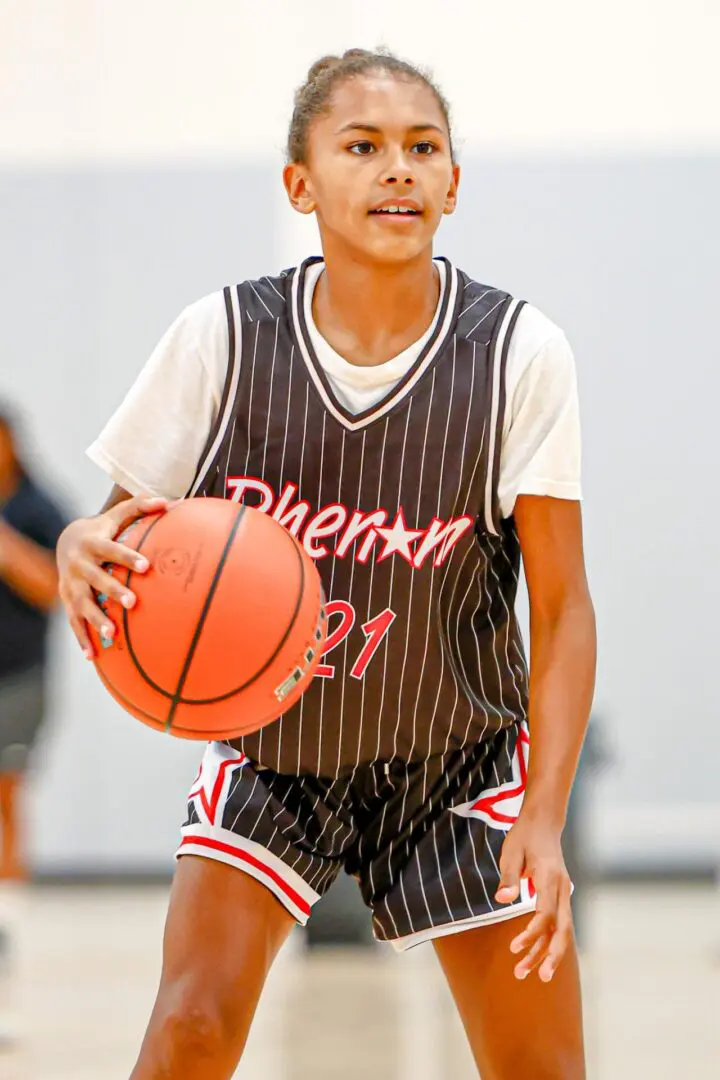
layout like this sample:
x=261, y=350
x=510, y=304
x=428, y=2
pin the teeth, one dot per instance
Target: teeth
x=395, y=210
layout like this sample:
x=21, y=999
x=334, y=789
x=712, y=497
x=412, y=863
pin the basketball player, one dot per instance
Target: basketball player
x=418, y=431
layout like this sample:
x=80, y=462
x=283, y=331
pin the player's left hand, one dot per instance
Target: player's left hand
x=532, y=849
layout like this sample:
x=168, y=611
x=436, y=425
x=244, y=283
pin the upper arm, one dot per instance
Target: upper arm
x=551, y=541
x=541, y=444
x=153, y=441
x=117, y=495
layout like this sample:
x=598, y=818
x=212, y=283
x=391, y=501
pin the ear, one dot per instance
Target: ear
x=452, y=195
x=297, y=184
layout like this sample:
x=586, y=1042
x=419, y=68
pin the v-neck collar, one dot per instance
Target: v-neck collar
x=442, y=331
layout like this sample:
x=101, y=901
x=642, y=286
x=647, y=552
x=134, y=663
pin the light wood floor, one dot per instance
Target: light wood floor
x=652, y=987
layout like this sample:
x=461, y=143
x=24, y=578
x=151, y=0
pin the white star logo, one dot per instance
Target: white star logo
x=398, y=538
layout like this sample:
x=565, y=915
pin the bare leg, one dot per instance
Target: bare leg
x=223, y=931
x=13, y=865
x=517, y=1029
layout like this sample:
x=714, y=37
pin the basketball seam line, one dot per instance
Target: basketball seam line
x=176, y=698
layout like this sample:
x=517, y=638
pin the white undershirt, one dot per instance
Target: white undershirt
x=359, y=387
x=154, y=440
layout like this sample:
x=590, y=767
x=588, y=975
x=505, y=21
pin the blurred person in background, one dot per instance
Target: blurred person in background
x=30, y=524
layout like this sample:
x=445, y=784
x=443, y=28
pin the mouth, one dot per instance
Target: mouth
x=396, y=212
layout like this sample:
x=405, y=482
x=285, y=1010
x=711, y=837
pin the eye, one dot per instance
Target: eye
x=425, y=149
x=362, y=149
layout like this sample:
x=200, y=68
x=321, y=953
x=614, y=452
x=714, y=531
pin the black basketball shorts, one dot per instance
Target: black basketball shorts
x=423, y=839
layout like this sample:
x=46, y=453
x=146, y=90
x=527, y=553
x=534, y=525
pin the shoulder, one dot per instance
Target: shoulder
x=252, y=300
x=534, y=331
x=195, y=347
x=202, y=318
x=538, y=347
x=481, y=306
x=202, y=329
x=262, y=298
x=478, y=306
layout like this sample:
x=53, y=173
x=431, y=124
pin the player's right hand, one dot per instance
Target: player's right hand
x=84, y=548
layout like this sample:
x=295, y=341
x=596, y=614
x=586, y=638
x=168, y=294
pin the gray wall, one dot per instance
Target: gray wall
x=623, y=254
x=95, y=266
x=620, y=252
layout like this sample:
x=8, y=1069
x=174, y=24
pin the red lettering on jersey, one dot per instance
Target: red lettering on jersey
x=326, y=522
x=347, y=620
x=440, y=537
x=356, y=526
x=443, y=536
x=239, y=485
x=291, y=518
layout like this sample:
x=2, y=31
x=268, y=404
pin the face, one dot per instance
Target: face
x=382, y=143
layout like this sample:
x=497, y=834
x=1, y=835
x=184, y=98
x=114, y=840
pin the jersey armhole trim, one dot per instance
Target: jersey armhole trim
x=499, y=351
x=232, y=376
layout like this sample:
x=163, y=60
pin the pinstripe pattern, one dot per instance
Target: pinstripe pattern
x=450, y=670
x=418, y=836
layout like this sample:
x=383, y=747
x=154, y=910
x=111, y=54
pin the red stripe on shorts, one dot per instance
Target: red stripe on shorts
x=238, y=853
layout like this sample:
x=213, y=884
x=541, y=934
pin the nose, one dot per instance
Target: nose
x=402, y=177
x=399, y=171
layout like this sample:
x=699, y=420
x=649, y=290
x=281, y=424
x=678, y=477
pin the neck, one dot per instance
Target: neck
x=370, y=314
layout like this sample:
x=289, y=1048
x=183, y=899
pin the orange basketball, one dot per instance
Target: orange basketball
x=228, y=627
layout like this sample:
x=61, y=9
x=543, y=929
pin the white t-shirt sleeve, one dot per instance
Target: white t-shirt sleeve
x=153, y=442
x=541, y=447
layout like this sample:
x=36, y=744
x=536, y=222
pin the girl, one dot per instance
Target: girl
x=418, y=431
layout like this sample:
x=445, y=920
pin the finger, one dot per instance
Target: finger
x=562, y=937
x=512, y=865
x=104, y=583
x=97, y=618
x=538, y=926
x=535, y=957
x=79, y=629
x=125, y=512
x=544, y=920
x=107, y=551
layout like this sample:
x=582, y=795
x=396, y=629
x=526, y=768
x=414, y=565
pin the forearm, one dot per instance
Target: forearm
x=27, y=568
x=562, y=682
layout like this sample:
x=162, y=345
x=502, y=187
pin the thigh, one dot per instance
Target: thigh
x=222, y=934
x=516, y=1028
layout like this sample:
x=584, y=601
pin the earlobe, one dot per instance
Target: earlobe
x=451, y=200
x=450, y=203
x=296, y=187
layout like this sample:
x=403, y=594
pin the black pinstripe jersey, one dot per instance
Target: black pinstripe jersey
x=398, y=506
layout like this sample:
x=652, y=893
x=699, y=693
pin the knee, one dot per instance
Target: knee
x=194, y=1024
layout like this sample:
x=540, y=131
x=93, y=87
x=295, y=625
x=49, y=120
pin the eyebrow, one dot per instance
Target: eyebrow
x=378, y=131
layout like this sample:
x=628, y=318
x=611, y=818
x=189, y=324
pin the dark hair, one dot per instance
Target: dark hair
x=312, y=98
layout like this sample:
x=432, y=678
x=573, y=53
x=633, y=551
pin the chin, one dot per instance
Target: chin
x=393, y=252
